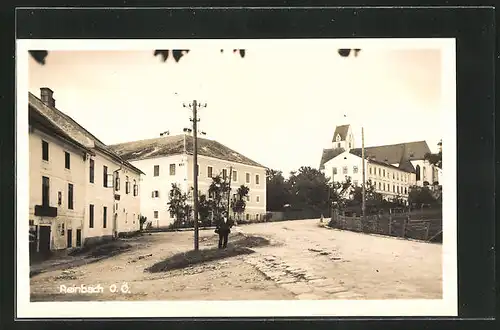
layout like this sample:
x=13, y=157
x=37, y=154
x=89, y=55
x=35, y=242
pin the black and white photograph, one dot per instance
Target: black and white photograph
x=259, y=177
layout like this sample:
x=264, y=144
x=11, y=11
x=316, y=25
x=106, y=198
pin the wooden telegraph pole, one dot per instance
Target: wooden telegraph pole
x=229, y=191
x=194, y=107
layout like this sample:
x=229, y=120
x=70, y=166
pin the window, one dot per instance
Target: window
x=334, y=170
x=224, y=174
x=67, y=160
x=91, y=216
x=104, y=217
x=384, y=186
x=248, y=198
x=417, y=171
x=247, y=216
x=156, y=170
x=70, y=196
x=45, y=150
x=209, y=171
x=354, y=169
x=62, y=229
x=393, y=175
x=172, y=169
x=406, y=191
x=370, y=170
x=91, y=179
x=393, y=188
x=379, y=186
x=257, y=179
x=235, y=176
x=397, y=176
x=424, y=173
x=257, y=199
x=383, y=173
x=155, y=194
x=117, y=181
x=104, y=176
x=344, y=170
x=59, y=198
x=397, y=189
x=127, y=185
x=45, y=191
x=257, y=217
x=379, y=172
x=136, y=188
x=247, y=178
x=155, y=214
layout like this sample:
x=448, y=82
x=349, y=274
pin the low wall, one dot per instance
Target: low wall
x=400, y=225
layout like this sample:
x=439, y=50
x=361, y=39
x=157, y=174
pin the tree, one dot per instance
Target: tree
x=308, y=189
x=142, y=220
x=277, y=190
x=177, y=204
x=239, y=203
x=218, y=194
x=204, y=210
x=418, y=196
x=437, y=158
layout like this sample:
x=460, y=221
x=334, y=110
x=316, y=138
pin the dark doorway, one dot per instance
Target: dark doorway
x=70, y=238
x=78, y=237
x=44, y=240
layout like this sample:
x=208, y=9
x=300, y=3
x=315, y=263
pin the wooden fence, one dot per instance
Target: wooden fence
x=407, y=225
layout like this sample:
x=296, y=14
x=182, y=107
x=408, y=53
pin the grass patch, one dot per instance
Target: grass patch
x=240, y=245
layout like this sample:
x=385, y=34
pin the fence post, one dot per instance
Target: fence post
x=405, y=220
x=427, y=231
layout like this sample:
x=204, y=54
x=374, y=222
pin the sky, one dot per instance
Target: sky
x=278, y=106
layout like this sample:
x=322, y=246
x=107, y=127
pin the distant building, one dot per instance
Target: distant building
x=392, y=168
x=76, y=195
x=169, y=159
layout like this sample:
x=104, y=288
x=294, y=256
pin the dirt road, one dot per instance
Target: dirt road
x=303, y=262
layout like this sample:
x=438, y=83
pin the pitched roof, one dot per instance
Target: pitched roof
x=329, y=154
x=63, y=123
x=357, y=152
x=401, y=154
x=342, y=131
x=394, y=153
x=178, y=144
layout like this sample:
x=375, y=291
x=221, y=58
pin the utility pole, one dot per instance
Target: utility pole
x=229, y=191
x=194, y=106
x=363, y=169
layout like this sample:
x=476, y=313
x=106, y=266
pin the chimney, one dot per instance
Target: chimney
x=46, y=96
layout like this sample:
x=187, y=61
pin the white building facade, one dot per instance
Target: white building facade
x=72, y=202
x=168, y=160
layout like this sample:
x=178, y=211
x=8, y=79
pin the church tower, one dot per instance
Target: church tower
x=343, y=138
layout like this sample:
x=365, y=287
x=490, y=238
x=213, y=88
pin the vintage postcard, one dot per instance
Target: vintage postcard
x=225, y=178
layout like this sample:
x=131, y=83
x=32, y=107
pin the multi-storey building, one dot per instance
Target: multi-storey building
x=393, y=169
x=75, y=192
x=168, y=160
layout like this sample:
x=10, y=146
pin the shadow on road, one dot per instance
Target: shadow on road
x=240, y=245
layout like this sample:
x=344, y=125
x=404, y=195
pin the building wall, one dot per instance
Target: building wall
x=256, y=204
x=183, y=176
x=388, y=181
x=428, y=172
x=126, y=209
x=161, y=183
x=59, y=178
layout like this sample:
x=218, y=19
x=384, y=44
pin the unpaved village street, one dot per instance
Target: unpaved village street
x=304, y=261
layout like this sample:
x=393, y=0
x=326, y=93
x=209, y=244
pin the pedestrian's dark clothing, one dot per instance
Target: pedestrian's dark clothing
x=223, y=229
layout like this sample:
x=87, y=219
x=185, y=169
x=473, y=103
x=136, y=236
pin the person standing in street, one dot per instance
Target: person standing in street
x=223, y=229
